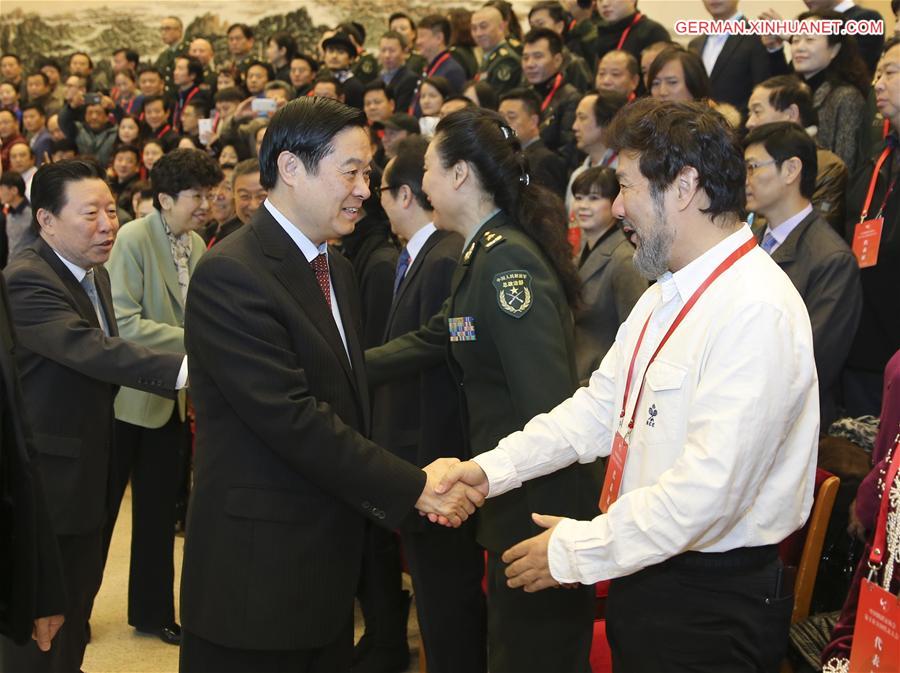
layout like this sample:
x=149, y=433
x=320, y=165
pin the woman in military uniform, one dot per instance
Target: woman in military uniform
x=506, y=332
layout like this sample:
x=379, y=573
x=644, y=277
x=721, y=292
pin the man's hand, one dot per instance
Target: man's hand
x=45, y=629
x=528, y=563
x=451, y=506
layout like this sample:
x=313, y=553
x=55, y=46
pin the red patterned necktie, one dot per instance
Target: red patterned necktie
x=320, y=266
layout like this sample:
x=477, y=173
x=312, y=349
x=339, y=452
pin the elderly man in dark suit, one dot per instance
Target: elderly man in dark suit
x=781, y=173
x=32, y=596
x=72, y=364
x=285, y=477
x=418, y=418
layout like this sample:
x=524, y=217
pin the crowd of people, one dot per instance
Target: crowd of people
x=460, y=268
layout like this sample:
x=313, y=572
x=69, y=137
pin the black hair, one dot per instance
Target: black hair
x=201, y=107
x=631, y=62
x=86, y=55
x=402, y=15
x=134, y=149
x=284, y=40
x=40, y=74
x=328, y=79
x=48, y=186
x=270, y=73
x=482, y=139
x=672, y=136
x=49, y=63
x=607, y=106
x=394, y=35
x=555, y=11
x=460, y=27
x=130, y=55
x=149, y=68
x=63, y=145
x=379, y=85
x=440, y=83
x=847, y=65
x=313, y=63
x=895, y=7
x=437, y=24
x=487, y=96
x=695, y=78
x=407, y=169
x=306, y=128
x=195, y=67
x=157, y=98
x=528, y=98
x=891, y=42
x=245, y=167
x=9, y=54
x=246, y=30
x=34, y=106
x=140, y=126
x=14, y=180
x=597, y=180
x=787, y=90
x=783, y=141
x=231, y=93
x=554, y=41
x=183, y=169
x=129, y=73
x=25, y=144
x=461, y=99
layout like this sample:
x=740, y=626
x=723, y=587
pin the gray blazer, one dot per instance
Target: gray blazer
x=823, y=269
x=610, y=288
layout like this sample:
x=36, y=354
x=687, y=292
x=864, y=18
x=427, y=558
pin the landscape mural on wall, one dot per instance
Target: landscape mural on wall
x=34, y=30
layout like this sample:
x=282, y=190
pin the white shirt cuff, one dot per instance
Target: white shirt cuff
x=181, y=381
x=500, y=470
x=561, y=557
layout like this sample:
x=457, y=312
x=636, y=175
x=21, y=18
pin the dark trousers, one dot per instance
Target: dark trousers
x=385, y=606
x=550, y=630
x=687, y=616
x=199, y=655
x=862, y=392
x=446, y=565
x=82, y=563
x=153, y=458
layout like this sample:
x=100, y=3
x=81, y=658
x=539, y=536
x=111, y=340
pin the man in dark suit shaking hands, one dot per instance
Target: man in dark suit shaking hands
x=284, y=475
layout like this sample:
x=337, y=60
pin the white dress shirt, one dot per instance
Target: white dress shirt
x=414, y=245
x=842, y=7
x=783, y=230
x=310, y=250
x=724, y=447
x=714, y=44
x=79, y=273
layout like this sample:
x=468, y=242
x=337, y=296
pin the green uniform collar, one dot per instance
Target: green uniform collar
x=481, y=225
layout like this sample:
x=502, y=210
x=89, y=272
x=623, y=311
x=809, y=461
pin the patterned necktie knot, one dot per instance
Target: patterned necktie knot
x=320, y=267
x=769, y=242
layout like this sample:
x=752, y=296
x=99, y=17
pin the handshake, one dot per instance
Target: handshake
x=452, y=491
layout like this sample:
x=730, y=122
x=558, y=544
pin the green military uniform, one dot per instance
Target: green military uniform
x=582, y=40
x=165, y=63
x=416, y=63
x=501, y=68
x=366, y=68
x=507, y=333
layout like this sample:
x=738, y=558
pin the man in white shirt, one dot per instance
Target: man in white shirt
x=781, y=176
x=714, y=441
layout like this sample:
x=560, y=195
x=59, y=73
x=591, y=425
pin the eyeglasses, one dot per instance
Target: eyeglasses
x=378, y=190
x=752, y=167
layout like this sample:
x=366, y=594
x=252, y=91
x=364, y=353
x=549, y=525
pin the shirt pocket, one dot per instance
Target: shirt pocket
x=663, y=407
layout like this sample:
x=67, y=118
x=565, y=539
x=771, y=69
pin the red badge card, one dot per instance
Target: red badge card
x=866, y=241
x=614, y=468
x=876, y=636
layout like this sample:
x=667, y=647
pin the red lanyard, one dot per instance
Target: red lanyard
x=572, y=24
x=719, y=270
x=878, y=544
x=637, y=17
x=164, y=130
x=556, y=84
x=878, y=164
x=429, y=72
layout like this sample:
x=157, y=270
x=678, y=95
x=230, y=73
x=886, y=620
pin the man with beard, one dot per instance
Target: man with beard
x=692, y=513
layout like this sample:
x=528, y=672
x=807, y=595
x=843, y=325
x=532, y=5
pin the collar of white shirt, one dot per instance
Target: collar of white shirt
x=782, y=231
x=309, y=249
x=76, y=270
x=414, y=244
x=842, y=7
x=686, y=280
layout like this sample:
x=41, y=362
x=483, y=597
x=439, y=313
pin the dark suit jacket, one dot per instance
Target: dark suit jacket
x=284, y=476
x=823, y=269
x=870, y=46
x=31, y=583
x=71, y=372
x=418, y=417
x=741, y=65
x=547, y=168
x=403, y=84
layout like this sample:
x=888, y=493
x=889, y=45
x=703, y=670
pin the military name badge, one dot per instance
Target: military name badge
x=514, y=292
x=462, y=328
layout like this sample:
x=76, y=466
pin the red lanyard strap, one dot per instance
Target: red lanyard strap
x=637, y=17
x=556, y=84
x=878, y=545
x=878, y=164
x=718, y=271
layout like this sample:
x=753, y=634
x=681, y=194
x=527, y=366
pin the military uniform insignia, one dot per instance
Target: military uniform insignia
x=503, y=51
x=462, y=328
x=491, y=239
x=468, y=256
x=514, y=292
x=504, y=73
x=367, y=66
